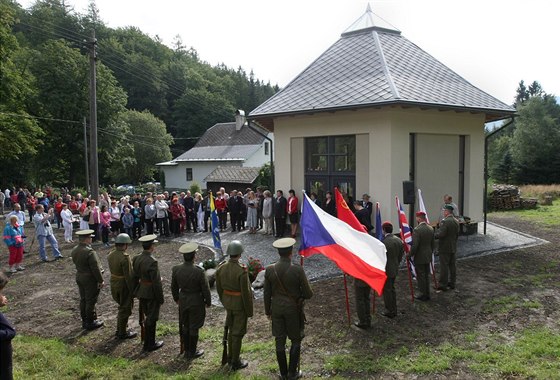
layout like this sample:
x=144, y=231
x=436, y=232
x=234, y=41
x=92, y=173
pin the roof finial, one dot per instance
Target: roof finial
x=368, y=9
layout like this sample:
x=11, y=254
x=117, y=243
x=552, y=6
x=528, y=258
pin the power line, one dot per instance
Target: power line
x=40, y=118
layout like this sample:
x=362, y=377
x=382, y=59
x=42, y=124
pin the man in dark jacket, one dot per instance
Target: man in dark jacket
x=7, y=333
x=447, y=234
x=280, y=212
x=395, y=253
x=422, y=247
x=191, y=292
x=285, y=288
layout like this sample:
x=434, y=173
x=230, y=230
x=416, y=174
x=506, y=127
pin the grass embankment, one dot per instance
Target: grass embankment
x=533, y=354
x=544, y=215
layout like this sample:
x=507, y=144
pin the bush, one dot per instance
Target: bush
x=195, y=188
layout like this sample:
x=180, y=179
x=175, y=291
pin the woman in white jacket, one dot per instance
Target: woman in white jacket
x=268, y=213
x=67, y=217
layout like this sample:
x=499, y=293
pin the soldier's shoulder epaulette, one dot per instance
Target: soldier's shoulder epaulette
x=243, y=266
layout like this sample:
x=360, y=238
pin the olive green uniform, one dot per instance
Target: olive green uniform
x=448, y=233
x=190, y=289
x=285, y=288
x=395, y=252
x=234, y=290
x=89, y=279
x=362, y=292
x=422, y=247
x=149, y=292
x=122, y=286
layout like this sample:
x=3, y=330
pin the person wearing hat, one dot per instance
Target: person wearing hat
x=448, y=233
x=89, y=277
x=149, y=290
x=122, y=285
x=234, y=290
x=191, y=292
x=285, y=288
x=395, y=252
x=448, y=201
x=422, y=247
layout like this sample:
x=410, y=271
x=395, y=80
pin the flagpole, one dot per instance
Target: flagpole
x=347, y=301
x=373, y=302
x=410, y=279
x=433, y=268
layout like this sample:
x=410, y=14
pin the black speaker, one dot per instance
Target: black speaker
x=409, y=195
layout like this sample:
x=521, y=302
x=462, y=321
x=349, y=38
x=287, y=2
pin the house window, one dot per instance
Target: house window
x=330, y=161
x=189, y=174
x=266, y=147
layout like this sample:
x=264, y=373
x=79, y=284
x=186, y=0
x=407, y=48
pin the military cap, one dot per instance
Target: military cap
x=387, y=223
x=188, y=248
x=421, y=214
x=148, y=238
x=448, y=207
x=85, y=233
x=284, y=243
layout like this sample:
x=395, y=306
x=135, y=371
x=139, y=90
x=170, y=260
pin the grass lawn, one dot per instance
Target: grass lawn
x=545, y=215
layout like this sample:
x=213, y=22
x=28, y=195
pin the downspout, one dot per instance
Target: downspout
x=486, y=139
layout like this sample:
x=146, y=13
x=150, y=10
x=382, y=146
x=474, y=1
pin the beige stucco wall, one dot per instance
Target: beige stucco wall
x=385, y=132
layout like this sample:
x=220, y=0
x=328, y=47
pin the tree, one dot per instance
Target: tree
x=19, y=135
x=534, y=147
x=150, y=143
x=499, y=158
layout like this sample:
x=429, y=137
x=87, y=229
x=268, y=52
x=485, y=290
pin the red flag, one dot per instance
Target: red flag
x=345, y=214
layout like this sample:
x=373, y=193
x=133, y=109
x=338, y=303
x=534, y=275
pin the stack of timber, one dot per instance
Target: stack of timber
x=504, y=197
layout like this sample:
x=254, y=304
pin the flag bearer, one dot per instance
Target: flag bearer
x=395, y=252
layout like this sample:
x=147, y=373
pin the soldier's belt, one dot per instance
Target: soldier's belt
x=116, y=276
x=144, y=282
x=232, y=293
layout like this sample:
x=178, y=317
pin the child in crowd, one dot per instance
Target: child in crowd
x=105, y=225
x=7, y=333
x=137, y=225
x=128, y=222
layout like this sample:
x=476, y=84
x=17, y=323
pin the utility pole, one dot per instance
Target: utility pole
x=88, y=188
x=94, y=165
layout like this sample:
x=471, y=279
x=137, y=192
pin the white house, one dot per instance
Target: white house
x=223, y=145
x=375, y=110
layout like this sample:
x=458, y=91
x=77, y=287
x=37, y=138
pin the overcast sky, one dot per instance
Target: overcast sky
x=492, y=43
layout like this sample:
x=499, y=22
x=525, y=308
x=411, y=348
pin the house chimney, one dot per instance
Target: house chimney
x=240, y=120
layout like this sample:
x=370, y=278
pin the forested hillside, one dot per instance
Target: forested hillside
x=153, y=100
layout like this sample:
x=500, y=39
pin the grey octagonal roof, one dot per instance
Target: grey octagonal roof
x=372, y=66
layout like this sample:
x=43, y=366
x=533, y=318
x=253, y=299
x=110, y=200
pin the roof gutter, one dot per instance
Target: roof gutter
x=486, y=139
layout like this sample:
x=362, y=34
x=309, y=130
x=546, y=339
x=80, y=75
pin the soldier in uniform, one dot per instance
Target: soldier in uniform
x=89, y=277
x=285, y=288
x=191, y=292
x=122, y=285
x=234, y=290
x=422, y=247
x=149, y=291
x=362, y=292
x=395, y=253
x=447, y=234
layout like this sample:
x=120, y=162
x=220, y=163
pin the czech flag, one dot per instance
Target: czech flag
x=355, y=253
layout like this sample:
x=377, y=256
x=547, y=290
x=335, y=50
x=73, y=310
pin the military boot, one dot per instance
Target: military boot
x=282, y=364
x=193, y=353
x=237, y=363
x=293, y=371
x=150, y=343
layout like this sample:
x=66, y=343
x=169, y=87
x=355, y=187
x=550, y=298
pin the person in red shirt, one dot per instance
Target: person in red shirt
x=57, y=210
x=293, y=211
x=221, y=207
x=176, y=215
x=73, y=205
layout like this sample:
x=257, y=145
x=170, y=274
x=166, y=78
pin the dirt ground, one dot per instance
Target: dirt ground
x=44, y=302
